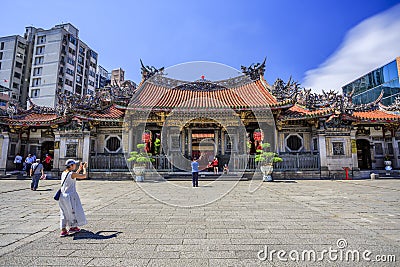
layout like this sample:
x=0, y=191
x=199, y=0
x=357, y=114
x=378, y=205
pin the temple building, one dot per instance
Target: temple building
x=316, y=135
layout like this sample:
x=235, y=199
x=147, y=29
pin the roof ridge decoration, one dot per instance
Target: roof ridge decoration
x=149, y=71
x=255, y=70
x=161, y=80
x=283, y=91
x=395, y=106
x=334, y=100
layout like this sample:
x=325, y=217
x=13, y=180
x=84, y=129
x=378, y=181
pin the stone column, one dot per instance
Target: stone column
x=57, y=146
x=395, y=145
x=86, y=146
x=189, y=142
x=223, y=142
x=183, y=136
x=322, y=154
x=216, y=142
x=354, y=157
x=4, y=144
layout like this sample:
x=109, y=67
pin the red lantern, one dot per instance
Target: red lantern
x=258, y=135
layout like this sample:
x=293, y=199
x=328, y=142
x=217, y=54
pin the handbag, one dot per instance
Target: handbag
x=58, y=193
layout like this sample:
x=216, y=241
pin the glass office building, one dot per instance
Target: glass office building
x=368, y=87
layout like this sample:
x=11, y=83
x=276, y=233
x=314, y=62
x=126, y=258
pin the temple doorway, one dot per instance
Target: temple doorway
x=364, y=154
x=203, y=146
x=47, y=148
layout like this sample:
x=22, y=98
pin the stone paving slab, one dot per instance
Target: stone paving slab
x=129, y=227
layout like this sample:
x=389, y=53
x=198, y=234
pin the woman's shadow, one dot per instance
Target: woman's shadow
x=84, y=234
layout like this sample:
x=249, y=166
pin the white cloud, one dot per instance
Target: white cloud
x=372, y=43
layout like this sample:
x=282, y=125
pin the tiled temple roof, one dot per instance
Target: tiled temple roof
x=297, y=112
x=34, y=119
x=376, y=115
x=253, y=94
x=112, y=113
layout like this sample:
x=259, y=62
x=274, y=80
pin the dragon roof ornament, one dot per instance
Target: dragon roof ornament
x=255, y=70
x=149, y=71
x=283, y=91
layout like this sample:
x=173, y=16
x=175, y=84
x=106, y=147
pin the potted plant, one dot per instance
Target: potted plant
x=266, y=159
x=388, y=164
x=139, y=159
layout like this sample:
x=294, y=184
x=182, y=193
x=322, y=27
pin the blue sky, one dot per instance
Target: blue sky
x=306, y=39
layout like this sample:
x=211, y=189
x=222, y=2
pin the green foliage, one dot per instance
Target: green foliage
x=266, y=156
x=140, y=156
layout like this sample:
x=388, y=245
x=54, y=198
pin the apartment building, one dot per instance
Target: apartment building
x=117, y=76
x=102, y=77
x=12, y=69
x=61, y=62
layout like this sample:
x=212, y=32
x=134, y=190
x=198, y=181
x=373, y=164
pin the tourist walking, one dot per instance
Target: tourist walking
x=195, y=172
x=36, y=172
x=71, y=210
x=18, y=162
x=28, y=164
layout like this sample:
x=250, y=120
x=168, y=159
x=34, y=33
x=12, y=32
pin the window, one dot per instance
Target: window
x=2, y=45
x=20, y=55
x=70, y=72
x=39, y=50
x=37, y=71
x=0, y=65
x=15, y=85
x=71, y=150
x=81, y=50
x=35, y=93
x=36, y=82
x=72, y=39
x=18, y=65
x=71, y=61
x=93, y=54
x=390, y=148
x=21, y=45
x=338, y=148
x=68, y=82
x=39, y=60
x=17, y=75
x=71, y=51
x=294, y=142
x=378, y=149
x=113, y=144
x=79, y=69
x=79, y=79
x=80, y=60
x=315, y=144
x=41, y=39
x=1, y=55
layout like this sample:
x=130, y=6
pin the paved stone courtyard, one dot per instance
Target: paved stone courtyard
x=128, y=227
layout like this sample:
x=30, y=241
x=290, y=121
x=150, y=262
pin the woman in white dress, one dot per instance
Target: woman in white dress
x=71, y=211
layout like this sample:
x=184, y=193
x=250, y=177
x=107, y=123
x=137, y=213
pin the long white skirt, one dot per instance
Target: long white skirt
x=71, y=210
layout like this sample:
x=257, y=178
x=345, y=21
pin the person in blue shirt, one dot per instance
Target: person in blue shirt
x=195, y=172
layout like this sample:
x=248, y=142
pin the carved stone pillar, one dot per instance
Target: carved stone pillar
x=223, y=142
x=395, y=145
x=4, y=145
x=215, y=142
x=57, y=145
x=86, y=146
x=354, y=157
x=322, y=154
x=190, y=142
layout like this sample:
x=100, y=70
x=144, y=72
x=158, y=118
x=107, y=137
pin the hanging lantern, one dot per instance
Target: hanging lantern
x=258, y=135
x=146, y=137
